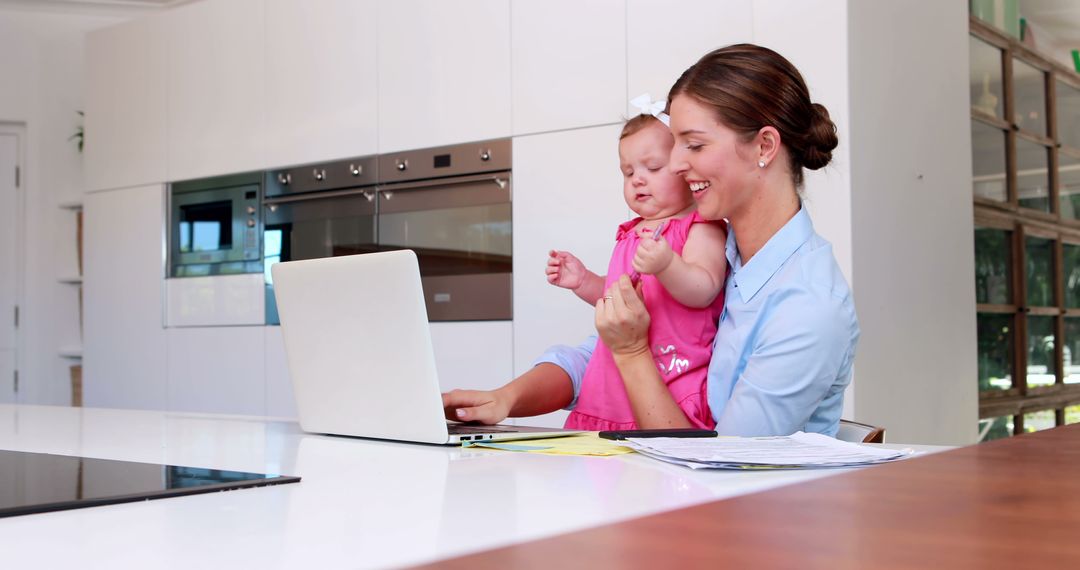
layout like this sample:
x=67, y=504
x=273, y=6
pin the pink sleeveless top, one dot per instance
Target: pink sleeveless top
x=680, y=337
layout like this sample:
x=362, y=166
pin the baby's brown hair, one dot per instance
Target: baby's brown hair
x=635, y=124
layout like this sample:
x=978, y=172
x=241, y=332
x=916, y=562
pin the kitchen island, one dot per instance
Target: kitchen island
x=360, y=503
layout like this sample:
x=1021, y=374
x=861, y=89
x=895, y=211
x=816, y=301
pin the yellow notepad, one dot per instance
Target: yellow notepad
x=587, y=443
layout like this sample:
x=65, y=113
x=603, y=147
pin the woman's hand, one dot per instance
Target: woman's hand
x=483, y=406
x=622, y=319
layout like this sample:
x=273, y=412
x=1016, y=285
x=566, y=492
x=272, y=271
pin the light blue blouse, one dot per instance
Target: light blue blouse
x=785, y=343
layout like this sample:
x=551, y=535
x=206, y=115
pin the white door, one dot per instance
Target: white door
x=9, y=148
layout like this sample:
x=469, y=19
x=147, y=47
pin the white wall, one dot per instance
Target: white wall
x=912, y=222
x=41, y=87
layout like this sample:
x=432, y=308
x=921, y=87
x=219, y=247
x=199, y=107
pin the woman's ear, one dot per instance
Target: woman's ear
x=768, y=145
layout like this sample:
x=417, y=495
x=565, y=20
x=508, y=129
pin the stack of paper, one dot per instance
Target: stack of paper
x=797, y=451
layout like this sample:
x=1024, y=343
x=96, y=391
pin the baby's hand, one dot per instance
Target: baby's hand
x=653, y=256
x=564, y=270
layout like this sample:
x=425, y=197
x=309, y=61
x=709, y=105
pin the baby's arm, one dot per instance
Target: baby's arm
x=566, y=271
x=695, y=278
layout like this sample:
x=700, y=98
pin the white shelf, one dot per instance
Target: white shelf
x=71, y=279
x=71, y=351
x=72, y=205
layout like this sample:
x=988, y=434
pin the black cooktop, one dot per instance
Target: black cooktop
x=38, y=482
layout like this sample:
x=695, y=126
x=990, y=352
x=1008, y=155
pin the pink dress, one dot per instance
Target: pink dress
x=681, y=339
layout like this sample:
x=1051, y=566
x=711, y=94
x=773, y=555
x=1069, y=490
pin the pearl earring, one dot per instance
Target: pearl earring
x=761, y=163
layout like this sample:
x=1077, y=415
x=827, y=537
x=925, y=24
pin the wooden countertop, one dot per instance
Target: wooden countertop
x=1010, y=503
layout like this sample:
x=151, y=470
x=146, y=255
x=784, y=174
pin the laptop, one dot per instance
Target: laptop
x=359, y=350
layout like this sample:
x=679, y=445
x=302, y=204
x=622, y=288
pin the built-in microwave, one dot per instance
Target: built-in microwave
x=215, y=226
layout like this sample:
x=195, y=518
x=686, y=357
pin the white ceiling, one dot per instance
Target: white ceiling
x=91, y=6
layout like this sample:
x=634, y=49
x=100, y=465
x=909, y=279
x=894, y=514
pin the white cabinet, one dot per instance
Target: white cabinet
x=320, y=88
x=473, y=355
x=576, y=207
x=216, y=88
x=280, y=401
x=217, y=370
x=569, y=61
x=125, y=104
x=444, y=72
x=221, y=300
x=665, y=37
x=124, y=348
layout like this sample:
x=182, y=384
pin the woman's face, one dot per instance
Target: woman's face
x=720, y=169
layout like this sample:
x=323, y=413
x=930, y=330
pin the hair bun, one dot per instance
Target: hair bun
x=820, y=140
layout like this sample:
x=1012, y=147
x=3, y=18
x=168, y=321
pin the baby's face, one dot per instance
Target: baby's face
x=651, y=191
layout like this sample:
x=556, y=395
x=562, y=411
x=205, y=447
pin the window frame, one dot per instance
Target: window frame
x=1022, y=222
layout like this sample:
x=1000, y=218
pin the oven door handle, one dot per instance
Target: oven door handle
x=367, y=192
x=501, y=179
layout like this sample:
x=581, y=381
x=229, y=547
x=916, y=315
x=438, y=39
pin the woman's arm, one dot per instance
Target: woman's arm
x=623, y=323
x=545, y=388
x=695, y=278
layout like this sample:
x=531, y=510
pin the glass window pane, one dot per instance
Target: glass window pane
x=1040, y=271
x=995, y=339
x=1069, y=186
x=1033, y=175
x=1038, y=421
x=1071, y=256
x=985, y=79
x=1071, y=350
x=1029, y=92
x=1072, y=414
x=1040, y=366
x=988, y=161
x=995, y=428
x=993, y=275
x=1068, y=115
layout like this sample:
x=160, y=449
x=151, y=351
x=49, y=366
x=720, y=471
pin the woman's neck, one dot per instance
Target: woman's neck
x=770, y=209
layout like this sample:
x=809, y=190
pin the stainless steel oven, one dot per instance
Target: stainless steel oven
x=215, y=226
x=317, y=211
x=450, y=204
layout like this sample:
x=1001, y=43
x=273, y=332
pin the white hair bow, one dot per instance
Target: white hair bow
x=647, y=106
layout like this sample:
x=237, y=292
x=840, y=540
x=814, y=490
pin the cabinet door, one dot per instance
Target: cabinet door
x=444, y=72
x=577, y=208
x=124, y=341
x=321, y=97
x=665, y=37
x=217, y=370
x=569, y=59
x=125, y=104
x=216, y=88
x=280, y=401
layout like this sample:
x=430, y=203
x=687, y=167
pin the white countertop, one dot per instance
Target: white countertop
x=360, y=504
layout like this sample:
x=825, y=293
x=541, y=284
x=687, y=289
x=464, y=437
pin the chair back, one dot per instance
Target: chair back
x=860, y=433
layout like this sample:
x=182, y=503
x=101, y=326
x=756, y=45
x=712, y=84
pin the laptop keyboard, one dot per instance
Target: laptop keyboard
x=457, y=429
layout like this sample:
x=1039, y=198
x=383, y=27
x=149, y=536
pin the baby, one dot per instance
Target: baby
x=678, y=261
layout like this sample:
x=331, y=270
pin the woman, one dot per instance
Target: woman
x=744, y=131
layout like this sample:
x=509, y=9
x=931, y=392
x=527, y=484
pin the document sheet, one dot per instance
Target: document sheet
x=797, y=451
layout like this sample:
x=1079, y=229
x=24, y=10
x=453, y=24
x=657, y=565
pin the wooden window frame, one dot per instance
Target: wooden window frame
x=1022, y=222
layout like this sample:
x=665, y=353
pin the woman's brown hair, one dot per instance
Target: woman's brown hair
x=750, y=87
